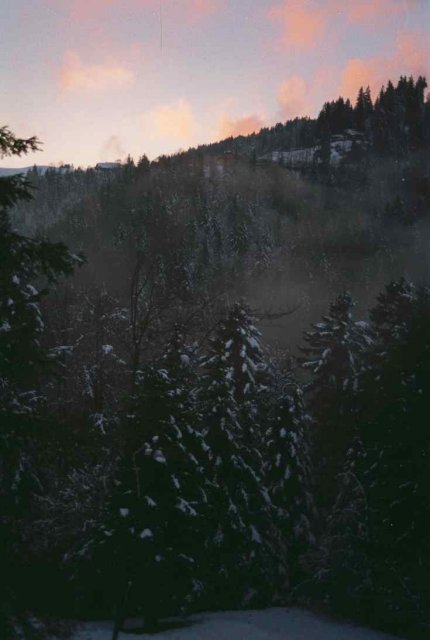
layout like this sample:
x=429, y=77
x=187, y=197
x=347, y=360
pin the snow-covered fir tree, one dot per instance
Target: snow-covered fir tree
x=154, y=523
x=333, y=349
x=236, y=350
x=289, y=473
x=333, y=356
x=243, y=546
x=389, y=318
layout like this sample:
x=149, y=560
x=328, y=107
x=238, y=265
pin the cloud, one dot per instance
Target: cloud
x=370, y=11
x=413, y=52
x=76, y=75
x=174, y=121
x=410, y=56
x=293, y=99
x=357, y=73
x=302, y=23
x=239, y=126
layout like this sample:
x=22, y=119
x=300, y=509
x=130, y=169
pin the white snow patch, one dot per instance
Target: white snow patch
x=146, y=533
x=271, y=624
x=107, y=348
x=31, y=290
x=5, y=326
x=158, y=457
x=255, y=537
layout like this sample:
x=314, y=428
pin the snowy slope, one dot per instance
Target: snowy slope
x=341, y=146
x=271, y=624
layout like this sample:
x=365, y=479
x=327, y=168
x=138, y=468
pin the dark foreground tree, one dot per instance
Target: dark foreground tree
x=372, y=559
x=394, y=432
x=289, y=474
x=28, y=268
x=151, y=536
x=333, y=356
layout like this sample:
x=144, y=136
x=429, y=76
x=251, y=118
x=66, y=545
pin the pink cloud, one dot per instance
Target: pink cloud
x=293, y=99
x=357, y=73
x=239, y=126
x=413, y=52
x=411, y=56
x=174, y=121
x=302, y=22
x=369, y=11
x=76, y=75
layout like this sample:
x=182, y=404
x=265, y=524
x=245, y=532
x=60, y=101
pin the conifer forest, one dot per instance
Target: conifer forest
x=214, y=370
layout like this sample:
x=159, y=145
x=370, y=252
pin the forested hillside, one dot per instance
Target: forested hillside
x=213, y=378
x=395, y=122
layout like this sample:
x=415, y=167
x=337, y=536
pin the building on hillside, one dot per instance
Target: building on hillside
x=348, y=147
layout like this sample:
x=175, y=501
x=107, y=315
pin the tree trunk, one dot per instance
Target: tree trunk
x=120, y=611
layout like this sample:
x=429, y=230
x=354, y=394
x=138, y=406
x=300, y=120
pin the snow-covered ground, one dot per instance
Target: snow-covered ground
x=271, y=624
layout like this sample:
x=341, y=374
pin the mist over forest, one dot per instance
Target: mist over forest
x=213, y=376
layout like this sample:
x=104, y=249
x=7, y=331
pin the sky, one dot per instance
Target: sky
x=96, y=80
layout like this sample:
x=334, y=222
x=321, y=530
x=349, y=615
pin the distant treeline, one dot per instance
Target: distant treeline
x=397, y=121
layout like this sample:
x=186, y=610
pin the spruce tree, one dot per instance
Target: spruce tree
x=153, y=530
x=289, y=474
x=333, y=357
x=363, y=109
x=338, y=567
x=372, y=554
x=28, y=267
x=392, y=422
x=375, y=546
x=243, y=546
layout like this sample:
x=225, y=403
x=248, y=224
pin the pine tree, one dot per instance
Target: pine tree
x=333, y=357
x=363, y=109
x=24, y=263
x=374, y=547
x=392, y=423
x=153, y=530
x=289, y=474
x=243, y=545
x=338, y=567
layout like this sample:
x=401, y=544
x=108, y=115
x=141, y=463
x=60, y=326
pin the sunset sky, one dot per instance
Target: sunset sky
x=94, y=80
